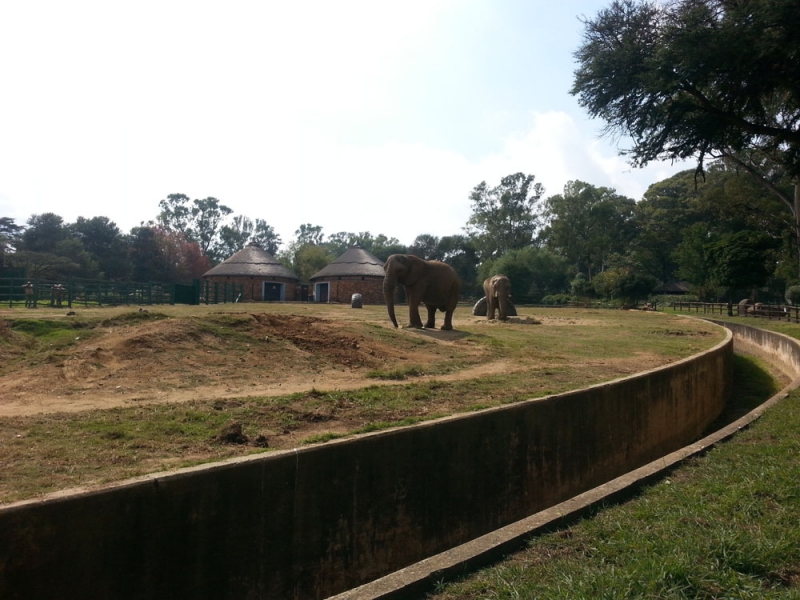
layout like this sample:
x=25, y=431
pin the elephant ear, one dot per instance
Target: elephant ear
x=416, y=269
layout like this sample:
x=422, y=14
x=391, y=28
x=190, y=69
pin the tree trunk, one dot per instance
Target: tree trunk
x=797, y=222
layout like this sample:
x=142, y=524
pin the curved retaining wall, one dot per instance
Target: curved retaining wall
x=316, y=521
x=779, y=350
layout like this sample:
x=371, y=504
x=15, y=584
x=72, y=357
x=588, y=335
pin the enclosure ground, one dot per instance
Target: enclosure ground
x=111, y=393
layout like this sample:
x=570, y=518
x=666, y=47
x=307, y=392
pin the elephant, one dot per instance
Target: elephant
x=430, y=282
x=498, y=292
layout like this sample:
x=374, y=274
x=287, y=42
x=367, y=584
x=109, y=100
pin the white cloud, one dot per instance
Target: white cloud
x=109, y=108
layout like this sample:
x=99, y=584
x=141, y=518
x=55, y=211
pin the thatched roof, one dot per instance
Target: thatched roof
x=252, y=261
x=356, y=262
x=673, y=287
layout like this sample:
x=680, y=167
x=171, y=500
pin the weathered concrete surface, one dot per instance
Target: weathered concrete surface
x=782, y=352
x=775, y=348
x=320, y=520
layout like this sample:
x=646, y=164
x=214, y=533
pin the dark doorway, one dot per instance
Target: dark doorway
x=322, y=292
x=272, y=291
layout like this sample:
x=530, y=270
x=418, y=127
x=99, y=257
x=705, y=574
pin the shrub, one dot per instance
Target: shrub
x=557, y=299
x=793, y=294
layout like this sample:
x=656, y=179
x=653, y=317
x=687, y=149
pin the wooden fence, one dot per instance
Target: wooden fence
x=779, y=312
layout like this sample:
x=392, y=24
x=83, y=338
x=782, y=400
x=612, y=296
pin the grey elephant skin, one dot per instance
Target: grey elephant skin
x=498, y=291
x=430, y=282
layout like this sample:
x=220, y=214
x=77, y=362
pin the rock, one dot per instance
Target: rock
x=232, y=434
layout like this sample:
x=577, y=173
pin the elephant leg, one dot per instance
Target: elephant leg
x=448, y=320
x=491, y=306
x=431, y=322
x=414, y=319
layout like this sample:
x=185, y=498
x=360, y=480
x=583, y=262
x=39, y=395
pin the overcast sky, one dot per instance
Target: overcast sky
x=352, y=115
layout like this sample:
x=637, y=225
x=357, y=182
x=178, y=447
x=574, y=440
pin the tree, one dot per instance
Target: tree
x=207, y=217
x=176, y=214
x=699, y=78
x=165, y=256
x=309, y=234
x=42, y=265
x=308, y=259
x=694, y=262
x=665, y=212
x=460, y=252
x=426, y=246
x=741, y=261
x=106, y=245
x=85, y=264
x=588, y=224
x=624, y=284
x=145, y=255
x=241, y=231
x=533, y=272
x=197, y=220
x=9, y=234
x=381, y=246
x=504, y=217
x=233, y=237
x=43, y=233
x=265, y=236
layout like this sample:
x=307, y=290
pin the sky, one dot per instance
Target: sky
x=354, y=115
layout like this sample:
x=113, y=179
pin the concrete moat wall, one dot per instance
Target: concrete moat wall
x=322, y=519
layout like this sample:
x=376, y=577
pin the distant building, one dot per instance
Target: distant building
x=262, y=277
x=354, y=272
x=673, y=288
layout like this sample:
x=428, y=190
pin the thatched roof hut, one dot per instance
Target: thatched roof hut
x=260, y=275
x=354, y=272
x=673, y=288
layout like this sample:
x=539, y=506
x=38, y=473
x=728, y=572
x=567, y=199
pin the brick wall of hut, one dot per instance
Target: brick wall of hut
x=341, y=289
x=252, y=288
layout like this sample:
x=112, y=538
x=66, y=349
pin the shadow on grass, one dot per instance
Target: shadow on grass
x=753, y=385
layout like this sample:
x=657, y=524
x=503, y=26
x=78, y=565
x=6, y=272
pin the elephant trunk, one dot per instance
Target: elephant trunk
x=388, y=294
x=502, y=305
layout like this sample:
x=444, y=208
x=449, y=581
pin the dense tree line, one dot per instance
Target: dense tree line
x=726, y=236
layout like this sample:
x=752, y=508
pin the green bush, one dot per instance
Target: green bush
x=557, y=299
x=793, y=294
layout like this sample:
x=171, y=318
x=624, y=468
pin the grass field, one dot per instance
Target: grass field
x=723, y=525
x=110, y=394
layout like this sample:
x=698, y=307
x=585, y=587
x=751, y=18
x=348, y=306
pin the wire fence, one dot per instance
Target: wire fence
x=33, y=293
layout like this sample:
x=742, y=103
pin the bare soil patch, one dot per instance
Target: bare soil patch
x=115, y=394
x=167, y=359
x=177, y=360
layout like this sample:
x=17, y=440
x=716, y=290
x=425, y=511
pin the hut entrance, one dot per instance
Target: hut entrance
x=272, y=292
x=321, y=292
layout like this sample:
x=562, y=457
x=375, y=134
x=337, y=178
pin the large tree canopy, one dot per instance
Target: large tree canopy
x=696, y=78
x=197, y=220
x=504, y=217
x=588, y=224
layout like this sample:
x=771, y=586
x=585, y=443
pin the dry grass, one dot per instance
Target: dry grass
x=113, y=393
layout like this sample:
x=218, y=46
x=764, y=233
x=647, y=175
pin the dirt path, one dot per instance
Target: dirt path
x=24, y=403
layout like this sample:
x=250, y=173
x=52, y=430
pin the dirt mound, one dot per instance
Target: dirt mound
x=154, y=358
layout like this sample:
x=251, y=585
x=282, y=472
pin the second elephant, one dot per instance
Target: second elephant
x=498, y=291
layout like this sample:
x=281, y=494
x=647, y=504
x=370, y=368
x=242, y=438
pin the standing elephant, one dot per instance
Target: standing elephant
x=430, y=282
x=498, y=292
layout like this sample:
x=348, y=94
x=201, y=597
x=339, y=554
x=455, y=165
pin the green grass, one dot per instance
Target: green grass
x=398, y=374
x=58, y=451
x=723, y=525
x=53, y=333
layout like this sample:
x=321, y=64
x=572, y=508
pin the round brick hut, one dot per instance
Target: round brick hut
x=261, y=277
x=354, y=272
